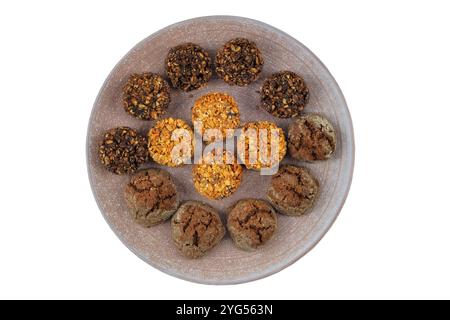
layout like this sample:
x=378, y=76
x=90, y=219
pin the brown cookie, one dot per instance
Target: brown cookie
x=284, y=94
x=123, y=150
x=292, y=190
x=188, y=66
x=239, y=62
x=311, y=137
x=151, y=196
x=251, y=223
x=146, y=96
x=196, y=228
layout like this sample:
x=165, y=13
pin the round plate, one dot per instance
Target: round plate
x=225, y=264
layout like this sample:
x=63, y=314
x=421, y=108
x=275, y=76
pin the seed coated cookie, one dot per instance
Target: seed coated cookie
x=251, y=223
x=123, y=150
x=311, y=137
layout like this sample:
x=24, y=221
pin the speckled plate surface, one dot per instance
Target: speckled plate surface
x=225, y=264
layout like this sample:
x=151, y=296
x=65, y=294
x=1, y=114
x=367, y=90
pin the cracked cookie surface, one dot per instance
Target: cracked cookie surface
x=292, y=190
x=311, y=137
x=151, y=196
x=196, y=229
x=251, y=223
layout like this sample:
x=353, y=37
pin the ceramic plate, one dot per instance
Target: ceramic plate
x=225, y=264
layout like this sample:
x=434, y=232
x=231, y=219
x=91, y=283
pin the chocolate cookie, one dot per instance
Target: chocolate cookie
x=292, y=190
x=284, y=94
x=146, y=96
x=123, y=150
x=151, y=196
x=196, y=228
x=188, y=66
x=251, y=223
x=311, y=137
x=239, y=62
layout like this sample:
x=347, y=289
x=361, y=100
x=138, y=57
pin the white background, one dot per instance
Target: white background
x=391, y=60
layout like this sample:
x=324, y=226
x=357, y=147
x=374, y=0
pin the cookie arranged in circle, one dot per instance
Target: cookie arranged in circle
x=311, y=137
x=196, y=229
x=123, y=150
x=292, y=190
x=239, y=62
x=251, y=223
x=151, y=196
x=146, y=96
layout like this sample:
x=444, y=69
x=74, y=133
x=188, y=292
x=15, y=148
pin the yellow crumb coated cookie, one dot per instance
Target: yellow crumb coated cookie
x=217, y=178
x=167, y=134
x=257, y=135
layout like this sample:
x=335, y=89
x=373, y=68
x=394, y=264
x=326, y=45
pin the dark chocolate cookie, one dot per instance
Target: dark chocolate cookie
x=123, y=150
x=284, y=94
x=188, y=66
x=146, y=96
x=239, y=62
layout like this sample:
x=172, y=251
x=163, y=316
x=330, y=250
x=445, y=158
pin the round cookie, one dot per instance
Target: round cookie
x=217, y=179
x=188, y=66
x=292, y=190
x=123, y=150
x=161, y=142
x=256, y=134
x=251, y=223
x=196, y=229
x=311, y=137
x=216, y=111
x=284, y=94
x=146, y=96
x=239, y=62
x=151, y=196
